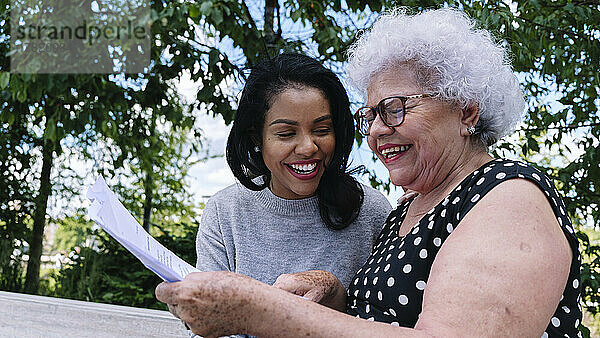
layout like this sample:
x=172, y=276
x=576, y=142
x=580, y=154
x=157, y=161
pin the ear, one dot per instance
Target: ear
x=469, y=118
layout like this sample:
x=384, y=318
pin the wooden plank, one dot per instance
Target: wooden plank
x=23, y=315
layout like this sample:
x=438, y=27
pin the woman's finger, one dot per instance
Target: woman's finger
x=315, y=295
x=167, y=292
x=286, y=282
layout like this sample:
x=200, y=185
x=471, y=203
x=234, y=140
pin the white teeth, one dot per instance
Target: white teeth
x=392, y=151
x=304, y=168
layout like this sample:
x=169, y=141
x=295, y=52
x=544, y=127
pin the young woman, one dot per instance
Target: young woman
x=295, y=207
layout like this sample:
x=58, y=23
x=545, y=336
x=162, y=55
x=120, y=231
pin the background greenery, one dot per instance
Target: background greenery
x=141, y=136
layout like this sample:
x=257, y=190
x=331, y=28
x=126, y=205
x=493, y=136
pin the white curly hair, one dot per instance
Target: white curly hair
x=450, y=57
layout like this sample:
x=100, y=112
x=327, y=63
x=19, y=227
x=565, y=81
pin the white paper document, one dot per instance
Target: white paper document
x=111, y=215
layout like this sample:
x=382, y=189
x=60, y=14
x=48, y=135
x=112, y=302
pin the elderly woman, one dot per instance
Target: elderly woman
x=484, y=249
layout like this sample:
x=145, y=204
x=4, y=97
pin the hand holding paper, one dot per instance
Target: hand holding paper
x=111, y=215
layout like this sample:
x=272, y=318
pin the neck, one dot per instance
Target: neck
x=461, y=168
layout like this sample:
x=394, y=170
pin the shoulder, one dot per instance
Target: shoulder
x=518, y=202
x=514, y=207
x=226, y=207
x=506, y=181
x=375, y=208
x=499, y=170
x=228, y=194
x=375, y=197
x=508, y=259
x=517, y=222
x=226, y=201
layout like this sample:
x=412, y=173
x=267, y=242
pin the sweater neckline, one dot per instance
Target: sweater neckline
x=282, y=206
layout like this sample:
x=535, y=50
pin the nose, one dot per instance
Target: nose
x=306, y=146
x=378, y=128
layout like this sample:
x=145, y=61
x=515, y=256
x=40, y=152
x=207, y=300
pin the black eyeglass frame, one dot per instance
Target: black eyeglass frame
x=377, y=110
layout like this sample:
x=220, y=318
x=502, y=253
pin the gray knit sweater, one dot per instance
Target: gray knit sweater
x=258, y=234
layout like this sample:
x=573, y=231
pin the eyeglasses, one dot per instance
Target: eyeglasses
x=391, y=110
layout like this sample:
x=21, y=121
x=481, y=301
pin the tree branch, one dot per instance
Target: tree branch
x=551, y=29
x=254, y=27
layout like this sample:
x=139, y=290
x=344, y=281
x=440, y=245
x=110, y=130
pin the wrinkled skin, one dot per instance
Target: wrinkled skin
x=315, y=285
x=211, y=303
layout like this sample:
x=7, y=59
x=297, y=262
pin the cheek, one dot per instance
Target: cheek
x=328, y=147
x=267, y=161
x=272, y=154
x=372, y=144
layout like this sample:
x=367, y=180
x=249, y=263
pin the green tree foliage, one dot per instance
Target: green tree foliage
x=16, y=201
x=106, y=272
x=72, y=231
x=125, y=111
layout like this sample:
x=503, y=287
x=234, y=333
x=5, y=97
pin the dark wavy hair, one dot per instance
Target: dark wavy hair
x=340, y=196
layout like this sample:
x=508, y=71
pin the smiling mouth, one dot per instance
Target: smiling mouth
x=392, y=152
x=303, y=169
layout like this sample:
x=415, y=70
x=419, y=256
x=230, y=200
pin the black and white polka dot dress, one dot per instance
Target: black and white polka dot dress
x=389, y=287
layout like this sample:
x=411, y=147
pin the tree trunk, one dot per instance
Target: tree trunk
x=148, y=167
x=269, y=19
x=148, y=201
x=32, y=277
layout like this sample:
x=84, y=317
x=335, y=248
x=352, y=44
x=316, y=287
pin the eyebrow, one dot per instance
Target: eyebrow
x=284, y=121
x=295, y=123
x=322, y=118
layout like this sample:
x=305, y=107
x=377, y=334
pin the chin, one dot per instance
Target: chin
x=397, y=179
x=306, y=193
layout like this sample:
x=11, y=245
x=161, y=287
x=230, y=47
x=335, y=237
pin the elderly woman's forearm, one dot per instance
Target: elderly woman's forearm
x=280, y=314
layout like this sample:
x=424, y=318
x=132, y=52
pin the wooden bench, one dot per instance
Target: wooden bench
x=23, y=315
